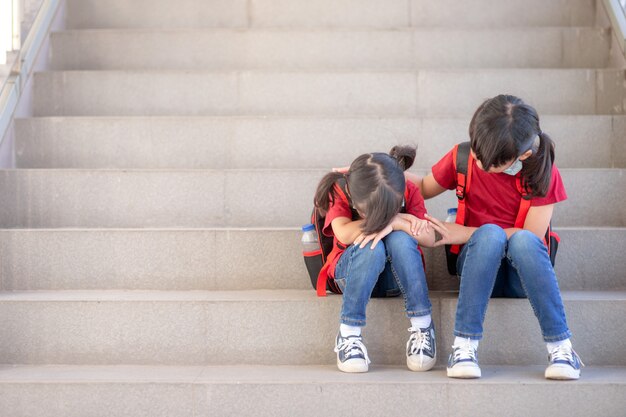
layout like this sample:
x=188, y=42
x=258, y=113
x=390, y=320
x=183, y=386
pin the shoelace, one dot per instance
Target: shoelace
x=353, y=346
x=464, y=351
x=418, y=342
x=564, y=353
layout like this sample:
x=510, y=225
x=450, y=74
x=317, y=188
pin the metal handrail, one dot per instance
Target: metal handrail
x=22, y=67
x=617, y=13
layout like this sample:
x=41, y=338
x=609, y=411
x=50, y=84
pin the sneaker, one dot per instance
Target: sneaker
x=463, y=362
x=563, y=363
x=351, y=354
x=421, y=349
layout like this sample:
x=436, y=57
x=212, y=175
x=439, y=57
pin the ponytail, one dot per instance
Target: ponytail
x=325, y=194
x=405, y=155
x=537, y=169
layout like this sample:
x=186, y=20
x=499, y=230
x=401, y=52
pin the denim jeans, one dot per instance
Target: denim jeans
x=358, y=270
x=489, y=265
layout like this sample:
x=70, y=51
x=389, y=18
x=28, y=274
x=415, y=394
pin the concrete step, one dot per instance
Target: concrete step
x=234, y=198
x=400, y=93
x=280, y=49
x=327, y=13
x=307, y=391
x=239, y=328
x=282, y=142
x=202, y=259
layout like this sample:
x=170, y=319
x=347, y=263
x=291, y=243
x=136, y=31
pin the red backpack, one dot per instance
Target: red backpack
x=462, y=160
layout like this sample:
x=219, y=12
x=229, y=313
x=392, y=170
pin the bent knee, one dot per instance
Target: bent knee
x=399, y=239
x=522, y=241
x=377, y=255
x=491, y=233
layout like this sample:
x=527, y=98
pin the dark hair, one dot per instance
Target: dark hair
x=502, y=129
x=376, y=185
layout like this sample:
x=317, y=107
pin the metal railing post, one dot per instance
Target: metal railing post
x=18, y=12
x=616, y=10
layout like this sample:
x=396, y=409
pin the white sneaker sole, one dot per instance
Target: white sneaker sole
x=464, y=370
x=353, y=366
x=413, y=363
x=562, y=372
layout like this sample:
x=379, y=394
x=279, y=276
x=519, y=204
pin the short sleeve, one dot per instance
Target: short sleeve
x=338, y=208
x=444, y=171
x=555, y=193
x=415, y=201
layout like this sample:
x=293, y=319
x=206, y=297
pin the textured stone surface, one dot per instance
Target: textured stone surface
x=151, y=259
x=235, y=198
x=282, y=142
x=329, y=13
x=331, y=49
x=184, y=13
x=302, y=390
x=238, y=259
x=426, y=92
x=495, y=13
x=193, y=327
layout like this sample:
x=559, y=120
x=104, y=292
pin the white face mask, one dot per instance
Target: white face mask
x=514, y=168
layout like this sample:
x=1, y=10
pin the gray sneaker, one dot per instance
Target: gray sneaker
x=421, y=349
x=563, y=363
x=351, y=354
x=463, y=361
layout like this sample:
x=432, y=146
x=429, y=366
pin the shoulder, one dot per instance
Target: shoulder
x=444, y=171
x=556, y=191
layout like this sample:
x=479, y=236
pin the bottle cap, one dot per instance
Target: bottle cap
x=308, y=227
x=451, y=211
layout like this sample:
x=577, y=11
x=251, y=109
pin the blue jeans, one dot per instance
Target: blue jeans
x=397, y=257
x=489, y=265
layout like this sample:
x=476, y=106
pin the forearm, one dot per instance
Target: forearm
x=347, y=231
x=404, y=223
x=462, y=234
x=426, y=238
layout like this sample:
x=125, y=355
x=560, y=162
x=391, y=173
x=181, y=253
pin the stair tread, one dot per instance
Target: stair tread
x=280, y=295
x=196, y=71
x=324, y=29
x=282, y=374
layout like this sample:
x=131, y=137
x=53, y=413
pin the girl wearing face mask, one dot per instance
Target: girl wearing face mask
x=496, y=259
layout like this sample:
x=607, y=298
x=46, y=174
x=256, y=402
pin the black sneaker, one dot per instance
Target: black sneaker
x=351, y=354
x=563, y=363
x=421, y=349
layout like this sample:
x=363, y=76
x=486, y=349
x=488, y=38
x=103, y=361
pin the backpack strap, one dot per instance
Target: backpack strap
x=463, y=162
x=323, y=281
x=524, y=204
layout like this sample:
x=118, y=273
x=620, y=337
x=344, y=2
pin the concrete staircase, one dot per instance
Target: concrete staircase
x=149, y=246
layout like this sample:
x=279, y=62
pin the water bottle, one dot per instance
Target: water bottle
x=451, y=215
x=312, y=253
x=309, y=239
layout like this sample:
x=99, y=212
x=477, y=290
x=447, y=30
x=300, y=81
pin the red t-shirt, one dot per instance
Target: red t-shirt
x=341, y=208
x=493, y=198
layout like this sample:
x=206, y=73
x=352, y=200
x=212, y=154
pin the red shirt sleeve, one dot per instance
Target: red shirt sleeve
x=415, y=201
x=555, y=193
x=444, y=171
x=339, y=208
